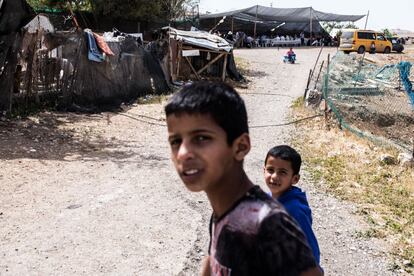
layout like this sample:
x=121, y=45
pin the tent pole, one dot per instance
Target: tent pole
x=223, y=76
x=366, y=21
x=255, y=22
x=310, y=24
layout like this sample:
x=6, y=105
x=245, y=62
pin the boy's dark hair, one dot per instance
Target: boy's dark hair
x=217, y=99
x=286, y=153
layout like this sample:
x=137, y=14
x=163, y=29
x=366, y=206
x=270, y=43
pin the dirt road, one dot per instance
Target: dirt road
x=98, y=195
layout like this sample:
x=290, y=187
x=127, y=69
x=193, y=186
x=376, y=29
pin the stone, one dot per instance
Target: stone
x=387, y=159
x=406, y=160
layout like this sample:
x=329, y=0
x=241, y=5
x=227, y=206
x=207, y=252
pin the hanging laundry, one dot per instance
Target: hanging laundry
x=94, y=53
x=103, y=45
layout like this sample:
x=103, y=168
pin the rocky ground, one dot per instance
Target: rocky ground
x=98, y=195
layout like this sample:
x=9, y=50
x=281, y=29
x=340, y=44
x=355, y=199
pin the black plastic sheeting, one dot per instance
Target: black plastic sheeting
x=133, y=72
x=14, y=14
x=296, y=20
x=69, y=81
x=283, y=15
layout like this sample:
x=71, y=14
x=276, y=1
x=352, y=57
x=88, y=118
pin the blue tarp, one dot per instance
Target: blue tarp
x=405, y=67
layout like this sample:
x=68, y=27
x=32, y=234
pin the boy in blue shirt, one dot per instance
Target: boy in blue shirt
x=250, y=234
x=281, y=171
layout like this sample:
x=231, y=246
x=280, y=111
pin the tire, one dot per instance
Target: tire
x=361, y=49
x=387, y=50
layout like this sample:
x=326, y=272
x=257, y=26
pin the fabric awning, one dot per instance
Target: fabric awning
x=284, y=14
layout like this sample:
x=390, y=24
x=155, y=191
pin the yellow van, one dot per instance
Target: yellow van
x=361, y=40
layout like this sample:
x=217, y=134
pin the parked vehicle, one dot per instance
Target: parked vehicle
x=397, y=45
x=353, y=40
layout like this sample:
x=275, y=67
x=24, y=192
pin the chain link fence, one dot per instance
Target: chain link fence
x=372, y=96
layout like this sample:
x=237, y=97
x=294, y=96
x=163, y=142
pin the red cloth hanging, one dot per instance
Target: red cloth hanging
x=103, y=45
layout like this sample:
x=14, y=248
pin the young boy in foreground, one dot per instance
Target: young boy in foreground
x=250, y=234
x=281, y=172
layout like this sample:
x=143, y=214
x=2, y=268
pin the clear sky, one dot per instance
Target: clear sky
x=382, y=14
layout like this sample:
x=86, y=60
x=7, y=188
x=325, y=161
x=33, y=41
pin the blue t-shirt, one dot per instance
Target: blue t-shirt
x=296, y=204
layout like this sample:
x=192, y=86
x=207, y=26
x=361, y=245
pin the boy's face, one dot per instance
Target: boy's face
x=200, y=152
x=279, y=175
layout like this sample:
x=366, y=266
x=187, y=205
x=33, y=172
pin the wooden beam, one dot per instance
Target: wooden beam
x=73, y=15
x=192, y=68
x=307, y=85
x=223, y=76
x=210, y=63
x=180, y=45
x=201, y=50
x=170, y=61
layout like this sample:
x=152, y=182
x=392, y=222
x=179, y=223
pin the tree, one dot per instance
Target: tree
x=131, y=9
x=149, y=10
x=75, y=4
x=178, y=9
x=387, y=33
x=350, y=25
x=35, y=4
x=329, y=26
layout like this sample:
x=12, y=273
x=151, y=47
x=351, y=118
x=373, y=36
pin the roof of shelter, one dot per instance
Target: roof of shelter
x=201, y=39
x=283, y=15
x=39, y=22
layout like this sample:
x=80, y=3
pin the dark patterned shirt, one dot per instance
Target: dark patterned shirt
x=257, y=237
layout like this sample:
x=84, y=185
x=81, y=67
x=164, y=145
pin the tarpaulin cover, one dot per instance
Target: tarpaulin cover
x=201, y=39
x=283, y=15
x=14, y=14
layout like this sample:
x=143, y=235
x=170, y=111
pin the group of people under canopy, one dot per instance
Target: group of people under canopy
x=263, y=25
x=241, y=39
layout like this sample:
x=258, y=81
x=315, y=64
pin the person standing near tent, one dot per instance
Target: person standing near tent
x=230, y=36
x=302, y=39
x=372, y=48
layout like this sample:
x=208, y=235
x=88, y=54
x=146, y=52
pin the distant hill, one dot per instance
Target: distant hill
x=402, y=33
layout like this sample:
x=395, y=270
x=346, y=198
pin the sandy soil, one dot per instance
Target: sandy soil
x=98, y=195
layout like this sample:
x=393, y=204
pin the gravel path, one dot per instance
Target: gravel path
x=98, y=195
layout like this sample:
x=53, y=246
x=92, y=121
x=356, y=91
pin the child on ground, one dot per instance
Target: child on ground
x=290, y=53
x=291, y=56
x=250, y=234
x=281, y=172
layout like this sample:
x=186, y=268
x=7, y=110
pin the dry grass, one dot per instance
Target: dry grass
x=152, y=99
x=350, y=168
x=242, y=65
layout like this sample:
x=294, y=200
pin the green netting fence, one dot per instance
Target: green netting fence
x=372, y=99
